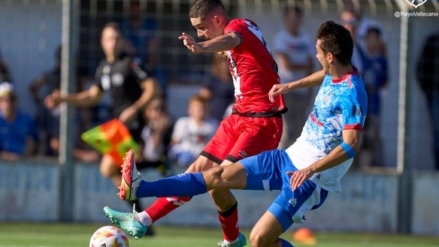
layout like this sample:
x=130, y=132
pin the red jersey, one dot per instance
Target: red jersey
x=253, y=69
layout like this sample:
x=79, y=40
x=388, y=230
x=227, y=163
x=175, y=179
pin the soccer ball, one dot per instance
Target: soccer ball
x=109, y=236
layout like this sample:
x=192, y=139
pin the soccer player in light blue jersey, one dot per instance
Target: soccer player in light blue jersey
x=306, y=171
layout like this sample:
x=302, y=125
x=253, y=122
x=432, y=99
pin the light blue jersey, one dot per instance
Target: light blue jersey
x=340, y=105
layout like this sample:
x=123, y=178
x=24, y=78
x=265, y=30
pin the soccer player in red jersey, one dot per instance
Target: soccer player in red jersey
x=254, y=126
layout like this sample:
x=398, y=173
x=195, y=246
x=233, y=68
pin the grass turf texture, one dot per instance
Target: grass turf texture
x=78, y=235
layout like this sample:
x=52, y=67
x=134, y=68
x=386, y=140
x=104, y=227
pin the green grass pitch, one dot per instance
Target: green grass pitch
x=78, y=235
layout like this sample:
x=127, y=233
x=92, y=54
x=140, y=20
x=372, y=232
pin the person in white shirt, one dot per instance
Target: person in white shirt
x=191, y=133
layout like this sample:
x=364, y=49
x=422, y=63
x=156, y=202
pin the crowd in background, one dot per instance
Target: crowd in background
x=167, y=142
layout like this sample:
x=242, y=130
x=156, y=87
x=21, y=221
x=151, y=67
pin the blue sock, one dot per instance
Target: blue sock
x=186, y=184
x=285, y=243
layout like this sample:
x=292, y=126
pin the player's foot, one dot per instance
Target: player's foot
x=131, y=178
x=240, y=243
x=129, y=222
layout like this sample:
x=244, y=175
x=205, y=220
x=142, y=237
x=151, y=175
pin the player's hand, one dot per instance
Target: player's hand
x=299, y=177
x=277, y=90
x=190, y=43
x=128, y=114
x=53, y=99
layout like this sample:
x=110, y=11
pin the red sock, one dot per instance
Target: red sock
x=164, y=205
x=229, y=223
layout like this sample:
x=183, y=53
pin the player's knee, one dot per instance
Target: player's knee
x=200, y=164
x=213, y=177
x=259, y=240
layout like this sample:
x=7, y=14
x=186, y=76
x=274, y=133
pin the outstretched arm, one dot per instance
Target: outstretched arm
x=85, y=98
x=312, y=80
x=221, y=43
x=343, y=152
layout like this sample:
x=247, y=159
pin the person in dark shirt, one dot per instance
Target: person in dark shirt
x=428, y=78
x=375, y=77
x=48, y=120
x=156, y=137
x=129, y=86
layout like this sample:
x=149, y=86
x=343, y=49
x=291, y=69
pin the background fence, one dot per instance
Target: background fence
x=31, y=31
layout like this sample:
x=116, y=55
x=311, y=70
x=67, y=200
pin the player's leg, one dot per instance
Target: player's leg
x=136, y=224
x=220, y=145
x=255, y=135
x=254, y=173
x=289, y=207
x=266, y=232
x=111, y=170
x=221, y=142
x=267, y=170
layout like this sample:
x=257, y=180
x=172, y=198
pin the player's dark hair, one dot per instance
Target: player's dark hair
x=202, y=8
x=293, y=8
x=337, y=40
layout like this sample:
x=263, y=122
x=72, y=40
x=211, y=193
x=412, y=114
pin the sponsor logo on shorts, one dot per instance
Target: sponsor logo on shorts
x=293, y=202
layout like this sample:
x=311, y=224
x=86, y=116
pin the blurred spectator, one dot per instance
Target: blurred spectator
x=364, y=23
x=294, y=52
x=375, y=77
x=130, y=89
x=192, y=133
x=350, y=21
x=141, y=31
x=156, y=137
x=4, y=71
x=428, y=78
x=18, y=131
x=218, y=89
x=49, y=119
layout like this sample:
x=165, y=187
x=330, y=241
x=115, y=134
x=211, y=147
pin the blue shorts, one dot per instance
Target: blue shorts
x=267, y=171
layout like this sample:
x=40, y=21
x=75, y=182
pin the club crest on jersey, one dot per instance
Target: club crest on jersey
x=416, y=3
x=117, y=79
